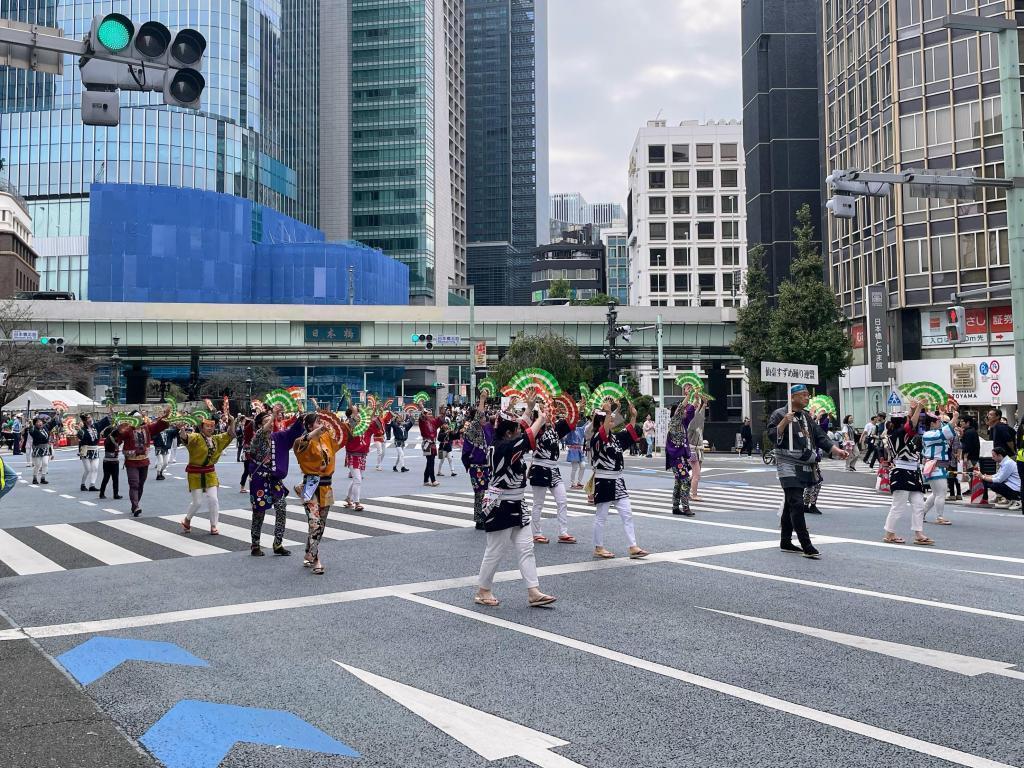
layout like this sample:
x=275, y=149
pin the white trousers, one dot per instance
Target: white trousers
x=400, y=458
x=161, y=462
x=356, y=486
x=497, y=542
x=625, y=514
x=937, y=500
x=445, y=457
x=90, y=472
x=561, y=505
x=40, y=466
x=576, y=475
x=212, y=504
x=379, y=448
x=906, y=503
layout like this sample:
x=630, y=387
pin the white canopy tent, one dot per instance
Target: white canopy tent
x=43, y=400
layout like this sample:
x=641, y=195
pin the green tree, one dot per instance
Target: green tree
x=156, y=390
x=231, y=381
x=556, y=354
x=601, y=300
x=559, y=289
x=808, y=325
x=752, y=343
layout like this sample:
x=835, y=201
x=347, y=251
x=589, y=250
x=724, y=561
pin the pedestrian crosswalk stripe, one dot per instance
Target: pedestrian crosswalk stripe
x=106, y=552
x=426, y=517
x=294, y=525
x=22, y=559
x=366, y=522
x=173, y=541
x=230, y=531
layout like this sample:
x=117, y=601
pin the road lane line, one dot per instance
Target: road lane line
x=998, y=575
x=366, y=522
x=67, y=496
x=230, y=531
x=291, y=524
x=733, y=691
x=426, y=517
x=113, y=511
x=105, y=551
x=87, y=503
x=22, y=559
x=164, y=538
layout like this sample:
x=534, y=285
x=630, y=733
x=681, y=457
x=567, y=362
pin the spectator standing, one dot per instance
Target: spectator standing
x=649, y=432
x=747, y=437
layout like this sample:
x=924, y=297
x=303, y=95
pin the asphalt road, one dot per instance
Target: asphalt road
x=875, y=655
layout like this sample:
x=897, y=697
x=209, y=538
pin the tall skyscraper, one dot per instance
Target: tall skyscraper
x=393, y=145
x=248, y=139
x=780, y=124
x=506, y=108
x=901, y=92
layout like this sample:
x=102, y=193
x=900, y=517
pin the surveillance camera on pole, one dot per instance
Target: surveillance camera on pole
x=846, y=189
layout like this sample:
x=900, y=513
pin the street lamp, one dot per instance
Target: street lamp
x=366, y=392
x=115, y=362
x=248, y=386
x=1005, y=31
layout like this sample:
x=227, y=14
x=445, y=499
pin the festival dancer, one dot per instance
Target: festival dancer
x=429, y=427
x=400, y=432
x=545, y=476
x=40, y=435
x=937, y=443
x=505, y=518
x=356, y=450
x=268, y=453
x=445, y=438
x=796, y=437
x=245, y=429
x=205, y=447
x=811, y=493
x=695, y=437
x=477, y=437
x=316, y=451
x=162, y=451
x=677, y=452
x=111, y=462
x=606, y=456
x=89, y=452
x=135, y=442
x=574, y=442
x=904, y=448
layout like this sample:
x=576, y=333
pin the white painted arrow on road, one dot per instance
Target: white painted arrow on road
x=951, y=662
x=489, y=736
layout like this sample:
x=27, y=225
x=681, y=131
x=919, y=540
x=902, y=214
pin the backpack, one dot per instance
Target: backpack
x=8, y=479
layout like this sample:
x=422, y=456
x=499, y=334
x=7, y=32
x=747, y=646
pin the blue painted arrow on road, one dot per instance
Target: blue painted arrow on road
x=198, y=734
x=95, y=657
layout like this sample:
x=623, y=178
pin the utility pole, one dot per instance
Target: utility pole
x=610, y=337
x=351, y=285
x=115, y=363
x=471, y=392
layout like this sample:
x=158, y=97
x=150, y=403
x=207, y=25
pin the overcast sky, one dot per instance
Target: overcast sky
x=614, y=64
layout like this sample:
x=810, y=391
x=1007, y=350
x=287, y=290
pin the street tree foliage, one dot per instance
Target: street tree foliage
x=231, y=382
x=556, y=354
x=752, y=341
x=559, y=289
x=160, y=390
x=645, y=404
x=808, y=325
x=601, y=300
x=31, y=366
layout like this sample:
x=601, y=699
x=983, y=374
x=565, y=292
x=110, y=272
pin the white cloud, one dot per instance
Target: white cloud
x=614, y=65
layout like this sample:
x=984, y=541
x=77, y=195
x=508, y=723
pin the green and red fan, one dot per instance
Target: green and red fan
x=490, y=386
x=281, y=397
x=928, y=393
x=697, y=393
x=820, y=404
x=604, y=391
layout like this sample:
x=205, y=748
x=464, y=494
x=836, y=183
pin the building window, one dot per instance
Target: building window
x=705, y=153
x=658, y=230
x=680, y=179
x=727, y=282
x=705, y=204
x=656, y=179
x=681, y=283
x=730, y=256
x=680, y=230
x=680, y=153
x=656, y=153
x=658, y=257
x=730, y=204
x=706, y=283
x=659, y=302
x=659, y=283
x=681, y=257
x=730, y=178
x=936, y=63
x=730, y=230
x=682, y=302
x=705, y=230
x=681, y=205
x=656, y=206
x=728, y=152
x=705, y=179
x=705, y=257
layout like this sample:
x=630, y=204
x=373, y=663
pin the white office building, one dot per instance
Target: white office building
x=686, y=215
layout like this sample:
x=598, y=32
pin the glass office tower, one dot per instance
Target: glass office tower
x=255, y=135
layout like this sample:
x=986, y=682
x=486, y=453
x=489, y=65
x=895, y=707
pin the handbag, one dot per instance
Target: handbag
x=930, y=467
x=428, y=447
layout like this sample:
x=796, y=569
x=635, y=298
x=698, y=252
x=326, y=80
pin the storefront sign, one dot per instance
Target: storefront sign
x=962, y=377
x=334, y=334
x=1000, y=322
x=480, y=354
x=878, y=341
x=858, y=336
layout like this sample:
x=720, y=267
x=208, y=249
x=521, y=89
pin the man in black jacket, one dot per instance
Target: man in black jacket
x=747, y=436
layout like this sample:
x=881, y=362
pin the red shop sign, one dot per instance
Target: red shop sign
x=977, y=322
x=1001, y=322
x=857, y=334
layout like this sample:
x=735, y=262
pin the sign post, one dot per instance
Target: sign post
x=789, y=374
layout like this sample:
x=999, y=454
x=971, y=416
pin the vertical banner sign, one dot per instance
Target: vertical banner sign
x=480, y=354
x=878, y=344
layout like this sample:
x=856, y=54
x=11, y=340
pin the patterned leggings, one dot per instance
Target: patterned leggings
x=681, y=489
x=811, y=494
x=280, y=518
x=317, y=518
x=479, y=475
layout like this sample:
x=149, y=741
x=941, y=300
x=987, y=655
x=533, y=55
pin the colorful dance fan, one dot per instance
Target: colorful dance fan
x=173, y=403
x=692, y=378
x=604, y=391
x=413, y=408
x=388, y=404
x=371, y=403
x=226, y=405
x=60, y=406
x=534, y=390
x=201, y=415
x=820, y=404
x=360, y=427
x=566, y=407
x=281, y=397
x=209, y=404
x=126, y=418
x=930, y=394
x=421, y=398
x=257, y=405
x=185, y=418
x=544, y=379
x=335, y=425
x=490, y=386
x=70, y=424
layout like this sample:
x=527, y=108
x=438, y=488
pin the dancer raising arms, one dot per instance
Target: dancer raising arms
x=904, y=447
x=356, y=450
x=89, y=452
x=606, y=456
x=545, y=476
x=135, y=442
x=505, y=518
x=204, y=451
x=268, y=468
x=429, y=427
x=677, y=452
x=316, y=451
x=477, y=437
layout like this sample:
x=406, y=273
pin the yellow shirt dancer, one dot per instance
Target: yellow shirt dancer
x=204, y=451
x=316, y=451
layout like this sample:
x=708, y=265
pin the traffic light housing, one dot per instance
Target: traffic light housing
x=426, y=339
x=56, y=343
x=184, y=82
x=956, y=324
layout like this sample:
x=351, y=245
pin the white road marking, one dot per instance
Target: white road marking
x=67, y=496
x=22, y=559
x=164, y=538
x=366, y=522
x=87, y=503
x=856, y=591
x=970, y=666
x=491, y=737
x=50, y=490
x=229, y=531
x=733, y=691
x=426, y=517
x=294, y=525
x=998, y=575
x=113, y=511
x=97, y=548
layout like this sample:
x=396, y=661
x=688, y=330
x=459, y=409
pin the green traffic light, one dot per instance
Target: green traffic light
x=44, y=340
x=115, y=32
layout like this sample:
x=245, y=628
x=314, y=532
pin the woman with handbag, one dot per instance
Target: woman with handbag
x=429, y=427
x=937, y=443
